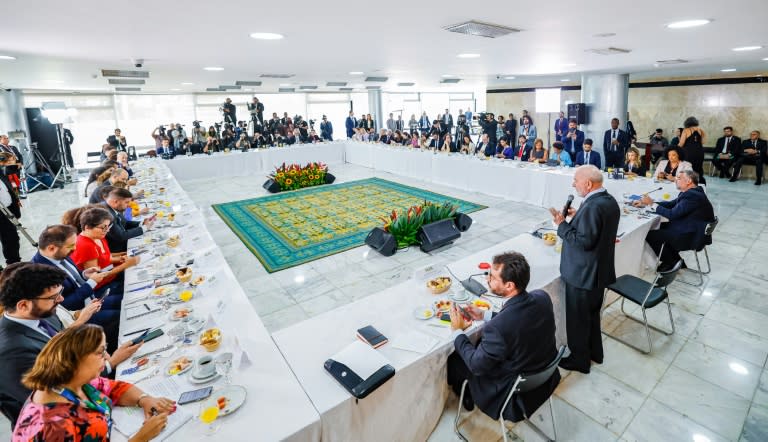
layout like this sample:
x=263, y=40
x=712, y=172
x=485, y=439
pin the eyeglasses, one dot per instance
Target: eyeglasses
x=102, y=353
x=52, y=297
x=105, y=228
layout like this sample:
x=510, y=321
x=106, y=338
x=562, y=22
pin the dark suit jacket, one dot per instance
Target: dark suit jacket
x=490, y=149
x=623, y=141
x=121, y=231
x=689, y=213
x=510, y=128
x=578, y=143
x=74, y=296
x=519, y=339
x=733, y=148
x=115, y=142
x=594, y=159
x=747, y=144
x=526, y=152
x=350, y=124
x=19, y=346
x=14, y=207
x=589, y=243
x=562, y=126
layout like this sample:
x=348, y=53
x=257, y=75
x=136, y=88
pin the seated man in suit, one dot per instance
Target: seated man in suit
x=522, y=150
x=588, y=156
x=518, y=339
x=752, y=151
x=726, y=149
x=688, y=215
x=118, y=175
x=117, y=200
x=30, y=295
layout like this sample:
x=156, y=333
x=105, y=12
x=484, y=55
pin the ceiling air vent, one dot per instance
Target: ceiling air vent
x=346, y=89
x=450, y=80
x=128, y=89
x=336, y=83
x=377, y=79
x=609, y=51
x=480, y=29
x=405, y=84
x=119, y=81
x=373, y=87
x=276, y=75
x=287, y=89
x=228, y=87
x=307, y=87
x=248, y=83
x=214, y=89
x=672, y=61
x=128, y=74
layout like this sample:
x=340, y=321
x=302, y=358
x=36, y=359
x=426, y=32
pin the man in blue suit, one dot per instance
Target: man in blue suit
x=588, y=156
x=350, y=124
x=615, y=145
x=518, y=339
x=561, y=127
x=688, y=216
x=573, y=139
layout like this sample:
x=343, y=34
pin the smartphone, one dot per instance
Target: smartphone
x=194, y=395
x=464, y=313
x=106, y=293
x=107, y=268
x=371, y=336
x=148, y=336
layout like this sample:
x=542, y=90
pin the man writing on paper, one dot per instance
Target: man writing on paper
x=518, y=339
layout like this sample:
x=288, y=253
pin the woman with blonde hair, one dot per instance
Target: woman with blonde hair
x=632, y=164
x=71, y=401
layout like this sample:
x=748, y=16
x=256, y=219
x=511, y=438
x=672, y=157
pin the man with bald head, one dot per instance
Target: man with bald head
x=587, y=265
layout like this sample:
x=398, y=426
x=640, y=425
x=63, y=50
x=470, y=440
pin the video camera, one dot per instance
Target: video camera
x=196, y=124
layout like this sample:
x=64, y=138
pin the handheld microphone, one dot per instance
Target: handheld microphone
x=654, y=190
x=567, y=205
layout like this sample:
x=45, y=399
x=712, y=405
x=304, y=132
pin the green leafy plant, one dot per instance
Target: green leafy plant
x=405, y=224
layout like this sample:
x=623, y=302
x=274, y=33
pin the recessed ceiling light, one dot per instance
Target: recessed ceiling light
x=266, y=36
x=728, y=70
x=688, y=23
x=565, y=79
x=467, y=55
x=747, y=48
x=509, y=78
x=213, y=68
x=7, y=57
x=187, y=84
x=449, y=75
x=175, y=89
x=765, y=59
x=356, y=73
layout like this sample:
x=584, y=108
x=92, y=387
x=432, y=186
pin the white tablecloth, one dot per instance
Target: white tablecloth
x=276, y=407
x=408, y=406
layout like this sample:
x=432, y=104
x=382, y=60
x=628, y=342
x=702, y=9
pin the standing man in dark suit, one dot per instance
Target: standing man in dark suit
x=326, y=129
x=518, y=339
x=588, y=156
x=688, y=216
x=68, y=140
x=447, y=122
x=726, y=149
x=615, y=145
x=350, y=124
x=561, y=127
x=510, y=129
x=587, y=265
x=118, y=141
x=573, y=139
x=9, y=235
x=752, y=151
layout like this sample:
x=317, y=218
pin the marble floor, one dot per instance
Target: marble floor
x=707, y=382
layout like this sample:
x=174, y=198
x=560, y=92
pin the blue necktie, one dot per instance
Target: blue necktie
x=47, y=328
x=73, y=273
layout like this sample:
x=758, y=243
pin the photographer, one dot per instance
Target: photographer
x=303, y=129
x=9, y=236
x=313, y=138
x=489, y=125
x=462, y=128
x=256, y=109
x=230, y=111
x=258, y=142
x=117, y=141
x=273, y=123
x=158, y=134
x=179, y=135
x=326, y=129
x=228, y=137
x=198, y=133
x=243, y=142
x=211, y=145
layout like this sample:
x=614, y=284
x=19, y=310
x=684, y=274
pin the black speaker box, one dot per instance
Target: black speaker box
x=578, y=111
x=46, y=135
x=382, y=241
x=463, y=222
x=329, y=179
x=437, y=234
x=271, y=186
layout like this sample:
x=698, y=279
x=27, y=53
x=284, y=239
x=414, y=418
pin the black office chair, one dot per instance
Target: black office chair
x=93, y=157
x=525, y=382
x=706, y=241
x=646, y=295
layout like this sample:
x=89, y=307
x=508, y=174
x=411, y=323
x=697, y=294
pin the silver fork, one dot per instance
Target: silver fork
x=153, y=373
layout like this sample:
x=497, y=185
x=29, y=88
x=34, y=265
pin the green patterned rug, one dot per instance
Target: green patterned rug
x=292, y=228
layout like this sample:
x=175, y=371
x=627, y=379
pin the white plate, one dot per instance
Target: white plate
x=420, y=312
x=235, y=395
x=459, y=297
x=172, y=315
x=189, y=366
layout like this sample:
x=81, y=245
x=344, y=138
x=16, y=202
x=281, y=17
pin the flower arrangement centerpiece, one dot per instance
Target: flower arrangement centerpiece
x=294, y=176
x=405, y=224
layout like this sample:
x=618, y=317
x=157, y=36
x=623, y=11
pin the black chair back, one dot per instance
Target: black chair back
x=709, y=228
x=532, y=381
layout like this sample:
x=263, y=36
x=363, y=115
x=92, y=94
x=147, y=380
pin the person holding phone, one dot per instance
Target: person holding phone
x=71, y=401
x=92, y=249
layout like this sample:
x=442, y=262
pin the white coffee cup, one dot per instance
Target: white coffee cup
x=205, y=367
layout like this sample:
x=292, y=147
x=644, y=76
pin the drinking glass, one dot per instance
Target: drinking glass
x=208, y=415
x=223, y=365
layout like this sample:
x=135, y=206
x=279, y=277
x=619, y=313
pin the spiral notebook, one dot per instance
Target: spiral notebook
x=128, y=421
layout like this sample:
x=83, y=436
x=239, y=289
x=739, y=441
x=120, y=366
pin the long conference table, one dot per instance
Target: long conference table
x=290, y=395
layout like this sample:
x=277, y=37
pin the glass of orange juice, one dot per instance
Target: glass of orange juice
x=209, y=412
x=186, y=295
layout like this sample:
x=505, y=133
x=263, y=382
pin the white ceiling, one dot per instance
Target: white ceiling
x=63, y=45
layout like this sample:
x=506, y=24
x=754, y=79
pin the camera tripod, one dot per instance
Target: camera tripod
x=41, y=163
x=15, y=221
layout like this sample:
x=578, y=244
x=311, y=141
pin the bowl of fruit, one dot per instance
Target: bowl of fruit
x=439, y=285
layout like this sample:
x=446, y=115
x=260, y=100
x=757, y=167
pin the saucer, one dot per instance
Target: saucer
x=195, y=380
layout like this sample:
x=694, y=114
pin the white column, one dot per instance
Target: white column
x=606, y=97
